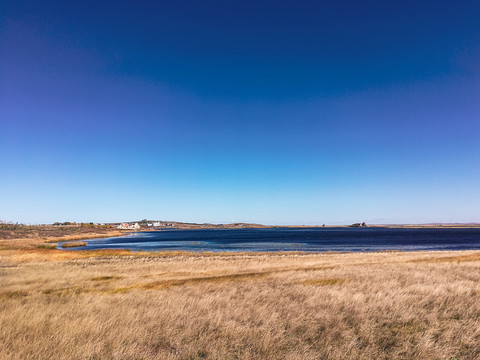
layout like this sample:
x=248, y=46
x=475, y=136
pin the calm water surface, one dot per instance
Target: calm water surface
x=294, y=239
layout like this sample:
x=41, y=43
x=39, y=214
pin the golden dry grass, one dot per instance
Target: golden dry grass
x=122, y=305
x=31, y=240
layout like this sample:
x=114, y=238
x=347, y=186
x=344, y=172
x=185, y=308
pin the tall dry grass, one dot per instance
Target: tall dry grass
x=266, y=306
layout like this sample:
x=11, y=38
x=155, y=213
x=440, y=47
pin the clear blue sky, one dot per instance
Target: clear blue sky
x=277, y=112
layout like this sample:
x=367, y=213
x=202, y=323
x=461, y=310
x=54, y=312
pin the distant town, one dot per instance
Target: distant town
x=146, y=224
x=159, y=225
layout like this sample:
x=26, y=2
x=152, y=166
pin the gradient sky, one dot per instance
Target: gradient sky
x=277, y=112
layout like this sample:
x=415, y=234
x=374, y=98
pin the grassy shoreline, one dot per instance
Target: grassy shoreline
x=176, y=305
x=34, y=241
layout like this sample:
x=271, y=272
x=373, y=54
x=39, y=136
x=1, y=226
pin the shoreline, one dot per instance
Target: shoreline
x=57, y=254
x=61, y=243
x=36, y=241
x=33, y=240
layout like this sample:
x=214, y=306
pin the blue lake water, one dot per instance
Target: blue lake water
x=294, y=239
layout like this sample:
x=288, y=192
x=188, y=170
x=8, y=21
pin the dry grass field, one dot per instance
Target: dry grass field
x=58, y=304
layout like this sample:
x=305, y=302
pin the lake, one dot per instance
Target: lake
x=294, y=239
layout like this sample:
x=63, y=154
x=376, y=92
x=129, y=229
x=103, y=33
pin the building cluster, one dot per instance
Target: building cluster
x=136, y=225
x=160, y=224
x=128, y=226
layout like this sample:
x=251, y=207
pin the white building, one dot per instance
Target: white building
x=126, y=226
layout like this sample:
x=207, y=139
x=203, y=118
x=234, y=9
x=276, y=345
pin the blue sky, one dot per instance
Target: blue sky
x=276, y=112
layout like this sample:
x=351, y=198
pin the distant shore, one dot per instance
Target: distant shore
x=34, y=236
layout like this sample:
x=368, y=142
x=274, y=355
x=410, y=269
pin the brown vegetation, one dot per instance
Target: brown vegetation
x=74, y=244
x=123, y=305
x=20, y=231
x=15, y=236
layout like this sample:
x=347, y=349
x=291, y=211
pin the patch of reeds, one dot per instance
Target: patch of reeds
x=74, y=244
x=106, y=278
x=324, y=282
x=47, y=246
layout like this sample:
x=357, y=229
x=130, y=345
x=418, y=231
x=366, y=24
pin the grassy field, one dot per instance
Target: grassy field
x=118, y=305
x=46, y=232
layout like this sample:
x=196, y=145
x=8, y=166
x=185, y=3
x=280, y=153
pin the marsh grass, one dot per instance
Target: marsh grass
x=324, y=282
x=458, y=258
x=13, y=294
x=165, y=284
x=105, y=278
x=74, y=244
x=123, y=305
x=47, y=246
